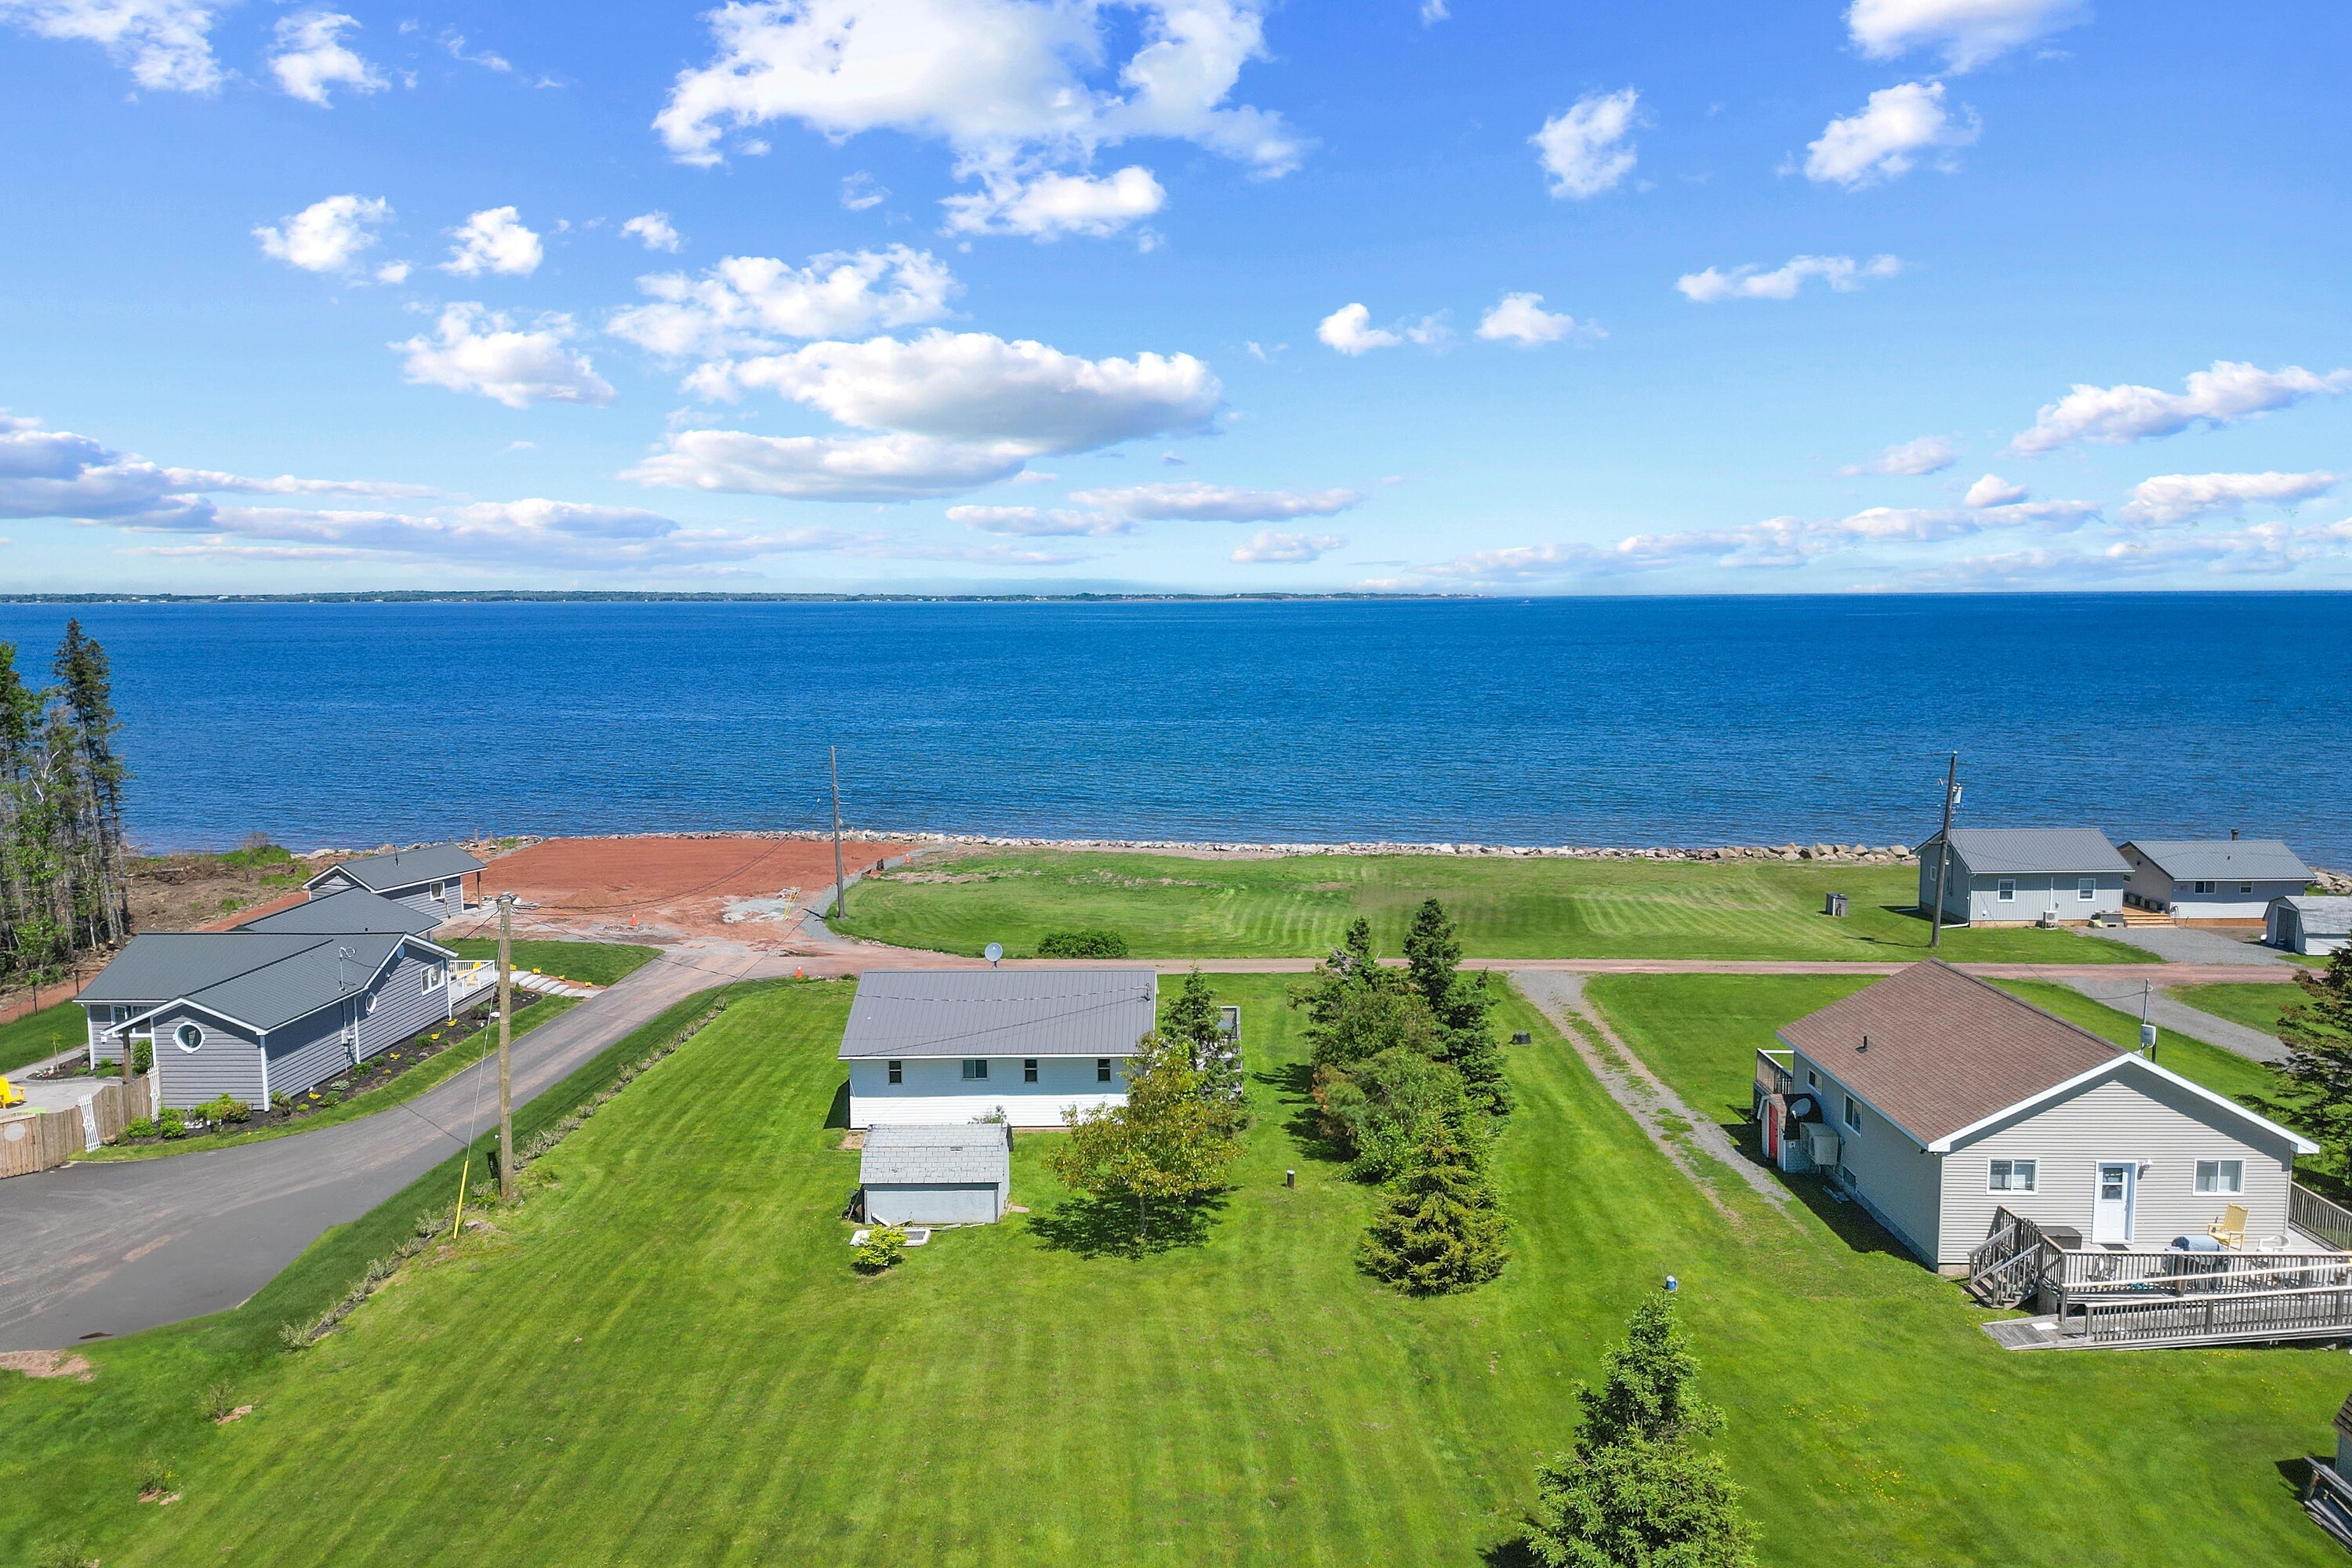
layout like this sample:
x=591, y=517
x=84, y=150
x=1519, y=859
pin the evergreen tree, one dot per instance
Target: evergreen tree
x=63, y=888
x=1169, y=1144
x=86, y=691
x=1442, y=1231
x=1462, y=1007
x=1636, y=1491
x=2318, y=1036
x=1192, y=1017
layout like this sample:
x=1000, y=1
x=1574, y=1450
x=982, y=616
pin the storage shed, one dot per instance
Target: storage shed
x=2309, y=924
x=936, y=1175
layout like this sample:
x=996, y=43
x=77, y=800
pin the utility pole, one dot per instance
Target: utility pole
x=1944, y=852
x=505, y=1034
x=2147, y=1029
x=840, y=882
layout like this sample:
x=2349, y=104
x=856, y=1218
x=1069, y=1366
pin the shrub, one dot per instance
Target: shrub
x=171, y=1125
x=225, y=1111
x=282, y=1102
x=216, y=1402
x=144, y=1126
x=142, y=1055
x=155, y=1477
x=884, y=1245
x=1082, y=944
x=257, y=850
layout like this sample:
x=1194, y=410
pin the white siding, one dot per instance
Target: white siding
x=940, y=1203
x=935, y=1093
x=2227, y=901
x=2039, y=891
x=1896, y=1180
x=2162, y=1128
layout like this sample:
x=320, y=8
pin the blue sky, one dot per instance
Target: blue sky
x=1208, y=294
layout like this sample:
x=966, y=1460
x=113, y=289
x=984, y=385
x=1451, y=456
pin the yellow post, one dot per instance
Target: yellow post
x=459, y=1218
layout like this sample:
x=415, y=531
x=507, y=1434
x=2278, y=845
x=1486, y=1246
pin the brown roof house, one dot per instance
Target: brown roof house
x=1936, y=1099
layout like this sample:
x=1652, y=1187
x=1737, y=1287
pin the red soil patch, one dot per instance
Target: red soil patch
x=673, y=887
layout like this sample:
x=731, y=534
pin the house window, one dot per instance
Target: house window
x=1102, y=1070
x=1029, y=1070
x=2200, y=887
x=2245, y=887
x=2087, y=888
x=1813, y=1079
x=2006, y=889
x=897, y=1072
x=2222, y=1176
x=189, y=1038
x=975, y=1067
x=1853, y=1114
x=432, y=977
x=435, y=892
x=2010, y=1177
x=367, y=1006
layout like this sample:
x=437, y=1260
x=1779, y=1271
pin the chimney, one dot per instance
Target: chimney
x=2233, y=835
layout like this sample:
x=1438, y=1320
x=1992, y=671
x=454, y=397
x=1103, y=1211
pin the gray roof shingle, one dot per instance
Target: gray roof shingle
x=343, y=914
x=1001, y=1013
x=264, y=979
x=918, y=1156
x=2224, y=860
x=2068, y=851
x=405, y=867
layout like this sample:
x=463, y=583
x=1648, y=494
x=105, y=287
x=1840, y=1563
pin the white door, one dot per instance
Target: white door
x=2111, y=1205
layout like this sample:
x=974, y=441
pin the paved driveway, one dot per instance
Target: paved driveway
x=111, y=1248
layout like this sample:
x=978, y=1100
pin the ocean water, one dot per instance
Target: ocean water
x=1622, y=720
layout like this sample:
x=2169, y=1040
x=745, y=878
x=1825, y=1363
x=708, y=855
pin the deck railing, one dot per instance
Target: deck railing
x=2097, y=1273
x=2251, y=1315
x=2317, y=1218
x=2008, y=1266
x=468, y=981
x=1773, y=1077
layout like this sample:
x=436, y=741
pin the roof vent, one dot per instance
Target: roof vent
x=1865, y=1044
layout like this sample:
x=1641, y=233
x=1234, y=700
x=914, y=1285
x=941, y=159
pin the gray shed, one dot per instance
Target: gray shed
x=937, y=1175
x=2310, y=924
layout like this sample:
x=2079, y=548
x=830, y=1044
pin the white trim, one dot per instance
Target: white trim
x=194, y=1007
x=2130, y=1168
x=1950, y=1141
x=182, y=1045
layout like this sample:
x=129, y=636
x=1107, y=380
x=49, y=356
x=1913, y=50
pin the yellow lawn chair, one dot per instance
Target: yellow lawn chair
x=2230, y=1230
x=10, y=1095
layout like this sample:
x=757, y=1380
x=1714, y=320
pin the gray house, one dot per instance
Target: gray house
x=937, y=1175
x=431, y=880
x=2023, y=876
x=2231, y=880
x=941, y=1046
x=2309, y=924
x=255, y=1013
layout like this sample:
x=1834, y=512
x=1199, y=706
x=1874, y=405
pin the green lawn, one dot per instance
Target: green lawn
x=407, y=1086
x=1170, y=906
x=663, y=1357
x=584, y=962
x=39, y=1035
x=2255, y=1007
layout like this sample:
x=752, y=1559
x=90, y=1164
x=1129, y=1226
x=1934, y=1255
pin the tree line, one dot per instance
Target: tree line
x=64, y=888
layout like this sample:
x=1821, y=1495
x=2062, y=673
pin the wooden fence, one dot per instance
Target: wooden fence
x=42, y=1143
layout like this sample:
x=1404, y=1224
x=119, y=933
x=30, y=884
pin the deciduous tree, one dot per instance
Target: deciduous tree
x=1169, y=1144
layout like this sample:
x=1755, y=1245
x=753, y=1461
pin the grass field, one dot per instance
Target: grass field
x=39, y=1035
x=2255, y=1007
x=1173, y=907
x=407, y=1086
x=584, y=962
x=663, y=1357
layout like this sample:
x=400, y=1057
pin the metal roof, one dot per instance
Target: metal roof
x=343, y=914
x=917, y=1156
x=1001, y=1013
x=2321, y=916
x=1996, y=851
x=405, y=867
x=2223, y=860
x=264, y=979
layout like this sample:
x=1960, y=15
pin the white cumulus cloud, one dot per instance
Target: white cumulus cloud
x=2230, y=391
x=166, y=45
x=1039, y=522
x=654, y=231
x=2170, y=499
x=811, y=467
x=480, y=351
x=1993, y=490
x=1269, y=548
x=328, y=236
x=1969, y=32
x=311, y=57
x=1191, y=501
x=1585, y=149
x=1521, y=319
x=747, y=303
x=1048, y=206
x=494, y=240
x=56, y=473
x=1349, y=329
x=1842, y=273
x=1885, y=139
x=1927, y=454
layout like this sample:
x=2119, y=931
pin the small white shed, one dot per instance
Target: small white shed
x=935, y=1174
x=2311, y=925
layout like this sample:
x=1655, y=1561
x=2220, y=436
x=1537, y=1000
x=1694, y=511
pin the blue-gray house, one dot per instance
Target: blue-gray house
x=430, y=879
x=275, y=1007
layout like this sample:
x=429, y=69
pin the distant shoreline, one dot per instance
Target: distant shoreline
x=1135, y=596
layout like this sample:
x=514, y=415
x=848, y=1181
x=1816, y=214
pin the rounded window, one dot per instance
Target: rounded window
x=188, y=1037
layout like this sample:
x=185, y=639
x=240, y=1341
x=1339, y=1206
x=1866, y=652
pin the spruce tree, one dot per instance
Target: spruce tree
x=1192, y=1017
x=1636, y=1491
x=2318, y=1036
x=1461, y=1007
x=86, y=693
x=1443, y=1231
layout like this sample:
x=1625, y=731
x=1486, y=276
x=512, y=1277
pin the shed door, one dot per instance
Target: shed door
x=2111, y=1205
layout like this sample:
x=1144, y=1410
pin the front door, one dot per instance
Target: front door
x=2111, y=1207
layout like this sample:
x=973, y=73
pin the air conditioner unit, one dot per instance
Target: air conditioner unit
x=1822, y=1144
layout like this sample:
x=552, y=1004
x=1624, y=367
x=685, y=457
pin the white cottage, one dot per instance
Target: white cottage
x=2227, y=881
x=1935, y=1099
x=2023, y=876
x=936, y=1047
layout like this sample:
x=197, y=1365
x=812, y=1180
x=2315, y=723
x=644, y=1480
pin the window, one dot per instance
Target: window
x=367, y=1006
x=1813, y=1079
x=2010, y=1177
x=975, y=1068
x=2200, y=887
x=435, y=891
x=2006, y=889
x=897, y=1072
x=1029, y=1070
x=2220, y=1176
x=188, y=1037
x=432, y=978
x=2245, y=887
x=1102, y=1070
x=2087, y=888
x=1853, y=1114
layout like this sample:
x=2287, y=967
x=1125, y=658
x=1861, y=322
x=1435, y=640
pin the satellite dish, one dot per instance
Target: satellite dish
x=993, y=951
